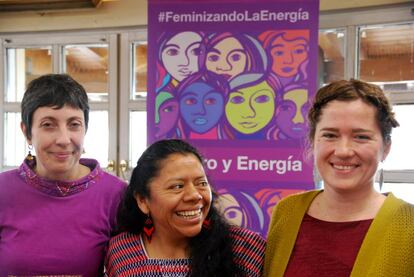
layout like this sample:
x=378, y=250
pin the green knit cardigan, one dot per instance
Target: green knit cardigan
x=387, y=249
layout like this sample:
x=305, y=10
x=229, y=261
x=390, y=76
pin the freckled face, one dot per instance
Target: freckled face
x=348, y=145
x=180, y=55
x=180, y=198
x=250, y=109
x=227, y=58
x=288, y=56
x=57, y=137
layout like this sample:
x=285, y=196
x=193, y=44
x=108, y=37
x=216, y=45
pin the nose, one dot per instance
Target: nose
x=298, y=118
x=200, y=109
x=288, y=58
x=344, y=148
x=192, y=194
x=249, y=111
x=63, y=137
x=225, y=65
x=185, y=61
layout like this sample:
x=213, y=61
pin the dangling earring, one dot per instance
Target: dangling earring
x=29, y=156
x=148, y=228
x=206, y=224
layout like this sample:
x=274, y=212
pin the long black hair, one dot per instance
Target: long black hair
x=211, y=250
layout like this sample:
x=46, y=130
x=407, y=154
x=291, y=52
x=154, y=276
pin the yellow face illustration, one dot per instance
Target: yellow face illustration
x=250, y=109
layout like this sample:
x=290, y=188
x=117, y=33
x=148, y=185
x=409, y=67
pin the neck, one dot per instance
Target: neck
x=164, y=248
x=331, y=205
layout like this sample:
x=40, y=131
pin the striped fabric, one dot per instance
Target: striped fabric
x=127, y=257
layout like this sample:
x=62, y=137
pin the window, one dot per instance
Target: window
x=379, y=48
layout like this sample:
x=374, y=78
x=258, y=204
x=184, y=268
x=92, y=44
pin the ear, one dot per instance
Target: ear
x=387, y=149
x=23, y=128
x=142, y=203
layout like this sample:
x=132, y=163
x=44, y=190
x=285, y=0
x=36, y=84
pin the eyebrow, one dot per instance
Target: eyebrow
x=171, y=45
x=237, y=91
x=357, y=130
x=215, y=51
x=190, y=93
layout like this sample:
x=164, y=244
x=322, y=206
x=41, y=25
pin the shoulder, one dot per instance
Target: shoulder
x=246, y=235
x=248, y=250
x=398, y=211
x=104, y=180
x=8, y=180
x=298, y=199
x=124, y=240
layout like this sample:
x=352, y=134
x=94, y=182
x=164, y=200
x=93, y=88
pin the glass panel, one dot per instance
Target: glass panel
x=88, y=64
x=139, y=66
x=15, y=147
x=405, y=191
x=402, y=150
x=137, y=135
x=97, y=137
x=386, y=56
x=331, y=66
x=24, y=65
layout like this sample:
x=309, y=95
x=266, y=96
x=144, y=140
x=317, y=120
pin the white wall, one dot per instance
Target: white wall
x=123, y=13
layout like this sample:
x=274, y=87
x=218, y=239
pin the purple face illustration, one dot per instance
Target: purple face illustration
x=166, y=114
x=201, y=106
x=291, y=113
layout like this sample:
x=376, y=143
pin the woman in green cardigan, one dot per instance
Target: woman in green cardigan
x=348, y=228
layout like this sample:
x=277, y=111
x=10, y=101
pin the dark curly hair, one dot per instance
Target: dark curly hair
x=53, y=90
x=352, y=90
x=211, y=250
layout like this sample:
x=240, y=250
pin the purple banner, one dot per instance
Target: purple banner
x=236, y=80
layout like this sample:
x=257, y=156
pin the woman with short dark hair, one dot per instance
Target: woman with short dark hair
x=57, y=211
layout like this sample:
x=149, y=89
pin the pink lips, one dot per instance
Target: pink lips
x=62, y=155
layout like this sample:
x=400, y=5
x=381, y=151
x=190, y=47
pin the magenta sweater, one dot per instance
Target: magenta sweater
x=49, y=228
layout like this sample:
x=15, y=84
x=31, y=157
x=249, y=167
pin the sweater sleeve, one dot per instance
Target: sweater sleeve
x=248, y=250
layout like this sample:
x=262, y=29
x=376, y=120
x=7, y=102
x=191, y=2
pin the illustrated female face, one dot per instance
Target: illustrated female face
x=291, y=113
x=201, y=106
x=57, y=137
x=250, y=109
x=168, y=115
x=288, y=56
x=180, y=198
x=231, y=209
x=180, y=55
x=348, y=145
x=227, y=58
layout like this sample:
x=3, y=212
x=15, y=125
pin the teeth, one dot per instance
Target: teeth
x=189, y=213
x=343, y=167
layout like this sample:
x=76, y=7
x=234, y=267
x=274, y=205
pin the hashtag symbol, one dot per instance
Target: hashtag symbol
x=161, y=17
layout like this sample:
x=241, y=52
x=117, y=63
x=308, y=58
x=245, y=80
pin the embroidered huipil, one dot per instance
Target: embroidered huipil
x=127, y=256
x=56, y=228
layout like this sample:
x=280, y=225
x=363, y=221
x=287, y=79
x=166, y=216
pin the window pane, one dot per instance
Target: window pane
x=15, y=147
x=88, y=64
x=402, y=150
x=137, y=135
x=404, y=191
x=97, y=137
x=331, y=66
x=386, y=56
x=24, y=65
x=139, y=65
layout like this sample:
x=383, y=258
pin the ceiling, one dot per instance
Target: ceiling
x=46, y=5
